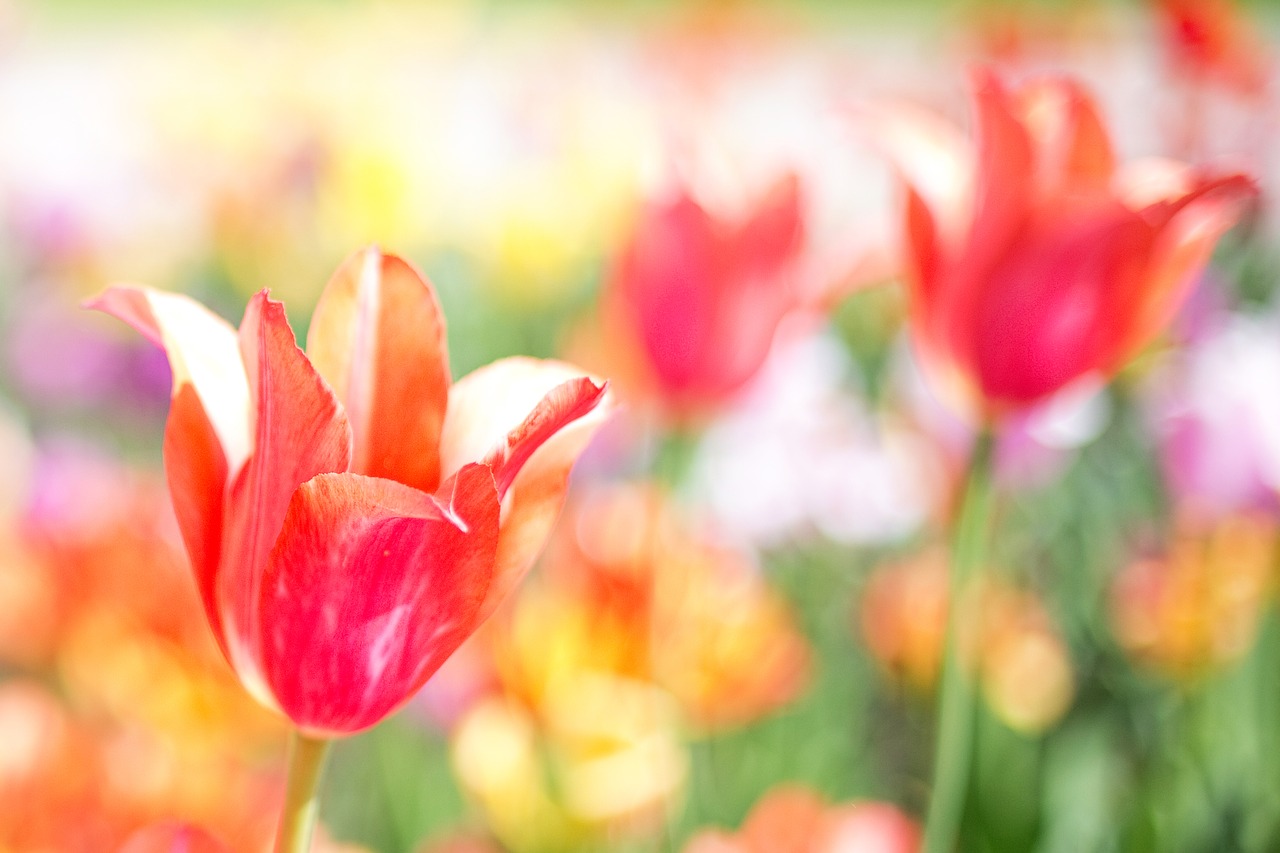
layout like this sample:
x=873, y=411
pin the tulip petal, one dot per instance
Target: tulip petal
x=531, y=419
x=934, y=159
x=771, y=235
x=300, y=431
x=1048, y=311
x=207, y=436
x=1003, y=195
x=667, y=283
x=378, y=337
x=1189, y=228
x=370, y=588
x=203, y=353
x=1073, y=150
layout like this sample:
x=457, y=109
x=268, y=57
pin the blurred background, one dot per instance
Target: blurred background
x=735, y=634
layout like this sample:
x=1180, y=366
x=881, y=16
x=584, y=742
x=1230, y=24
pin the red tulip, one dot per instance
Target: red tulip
x=1033, y=260
x=1212, y=40
x=699, y=299
x=351, y=518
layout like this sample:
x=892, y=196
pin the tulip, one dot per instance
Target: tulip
x=699, y=298
x=791, y=819
x=1033, y=260
x=1212, y=40
x=1034, y=263
x=351, y=516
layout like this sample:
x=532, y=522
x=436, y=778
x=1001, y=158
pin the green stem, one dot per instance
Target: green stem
x=302, y=796
x=956, y=699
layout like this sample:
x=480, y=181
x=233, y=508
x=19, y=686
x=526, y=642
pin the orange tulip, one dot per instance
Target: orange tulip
x=1033, y=259
x=350, y=515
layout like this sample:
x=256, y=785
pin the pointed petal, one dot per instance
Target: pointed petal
x=202, y=351
x=207, y=435
x=1003, y=195
x=1073, y=150
x=370, y=588
x=562, y=405
x=300, y=430
x=1185, y=241
x=531, y=419
x=378, y=337
x=933, y=157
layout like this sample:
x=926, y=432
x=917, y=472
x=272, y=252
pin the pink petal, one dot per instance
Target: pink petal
x=1048, y=312
x=370, y=588
x=378, y=337
x=532, y=419
x=299, y=431
x=667, y=288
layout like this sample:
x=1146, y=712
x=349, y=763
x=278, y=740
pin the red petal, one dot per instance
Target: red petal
x=773, y=233
x=558, y=407
x=1003, y=193
x=1073, y=150
x=172, y=837
x=370, y=588
x=207, y=435
x=1049, y=312
x=299, y=431
x=666, y=286
x=197, y=473
x=563, y=405
x=378, y=337
x=1188, y=230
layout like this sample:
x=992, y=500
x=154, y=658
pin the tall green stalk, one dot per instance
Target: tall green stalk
x=302, y=795
x=956, y=699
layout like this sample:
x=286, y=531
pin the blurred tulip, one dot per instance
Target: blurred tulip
x=610, y=743
x=48, y=767
x=693, y=301
x=173, y=838
x=347, y=532
x=631, y=589
x=1198, y=606
x=1034, y=260
x=1022, y=663
x=1219, y=438
x=795, y=820
x=1212, y=40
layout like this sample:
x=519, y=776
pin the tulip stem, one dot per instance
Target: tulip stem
x=302, y=795
x=956, y=695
